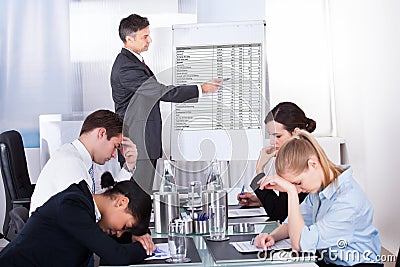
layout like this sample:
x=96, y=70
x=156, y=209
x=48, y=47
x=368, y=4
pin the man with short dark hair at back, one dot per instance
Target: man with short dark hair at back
x=100, y=137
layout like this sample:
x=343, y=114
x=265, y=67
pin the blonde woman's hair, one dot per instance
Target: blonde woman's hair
x=293, y=157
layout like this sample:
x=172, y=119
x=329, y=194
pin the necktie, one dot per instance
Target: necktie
x=91, y=172
x=145, y=64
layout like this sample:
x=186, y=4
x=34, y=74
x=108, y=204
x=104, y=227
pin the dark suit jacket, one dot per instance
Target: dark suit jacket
x=63, y=232
x=136, y=94
x=275, y=206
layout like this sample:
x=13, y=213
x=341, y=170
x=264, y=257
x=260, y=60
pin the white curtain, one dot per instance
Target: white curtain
x=35, y=66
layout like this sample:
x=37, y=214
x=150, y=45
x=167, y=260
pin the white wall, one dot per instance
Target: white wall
x=366, y=57
x=298, y=59
x=363, y=47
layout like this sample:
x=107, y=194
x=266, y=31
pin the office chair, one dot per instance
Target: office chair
x=18, y=217
x=17, y=184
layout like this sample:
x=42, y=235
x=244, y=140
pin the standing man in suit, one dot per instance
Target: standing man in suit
x=137, y=93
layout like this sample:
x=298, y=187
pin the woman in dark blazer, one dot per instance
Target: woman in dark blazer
x=281, y=122
x=74, y=224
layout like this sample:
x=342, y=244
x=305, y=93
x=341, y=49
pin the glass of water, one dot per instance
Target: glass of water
x=177, y=242
x=217, y=222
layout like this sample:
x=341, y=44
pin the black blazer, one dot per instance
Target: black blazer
x=137, y=95
x=63, y=232
x=275, y=206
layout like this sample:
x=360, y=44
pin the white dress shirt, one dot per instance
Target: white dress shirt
x=69, y=164
x=96, y=211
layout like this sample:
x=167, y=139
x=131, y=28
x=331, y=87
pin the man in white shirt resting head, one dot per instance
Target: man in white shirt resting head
x=99, y=139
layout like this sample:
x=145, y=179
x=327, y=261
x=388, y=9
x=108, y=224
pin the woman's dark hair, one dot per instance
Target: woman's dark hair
x=107, y=119
x=130, y=25
x=291, y=117
x=107, y=180
x=139, y=202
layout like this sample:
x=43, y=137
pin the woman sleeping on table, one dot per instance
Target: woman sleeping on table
x=74, y=224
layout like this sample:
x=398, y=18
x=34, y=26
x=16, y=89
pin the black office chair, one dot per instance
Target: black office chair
x=17, y=184
x=18, y=217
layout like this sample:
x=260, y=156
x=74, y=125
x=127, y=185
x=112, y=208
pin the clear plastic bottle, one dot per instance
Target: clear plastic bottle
x=214, y=181
x=168, y=180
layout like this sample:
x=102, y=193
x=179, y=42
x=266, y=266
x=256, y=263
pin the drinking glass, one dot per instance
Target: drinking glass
x=217, y=216
x=177, y=242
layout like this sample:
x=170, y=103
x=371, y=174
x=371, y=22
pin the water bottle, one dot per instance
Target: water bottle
x=214, y=181
x=168, y=180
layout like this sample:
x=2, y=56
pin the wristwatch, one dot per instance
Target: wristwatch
x=125, y=167
x=254, y=183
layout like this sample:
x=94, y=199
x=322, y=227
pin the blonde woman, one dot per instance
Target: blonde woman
x=335, y=219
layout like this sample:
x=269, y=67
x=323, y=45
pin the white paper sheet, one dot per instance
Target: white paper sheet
x=247, y=247
x=161, y=252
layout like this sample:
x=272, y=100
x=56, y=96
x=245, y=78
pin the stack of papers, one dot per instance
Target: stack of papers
x=248, y=247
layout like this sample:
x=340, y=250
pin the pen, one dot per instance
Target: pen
x=226, y=79
x=252, y=241
x=241, y=193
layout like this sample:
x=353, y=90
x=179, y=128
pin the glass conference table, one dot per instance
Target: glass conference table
x=205, y=255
